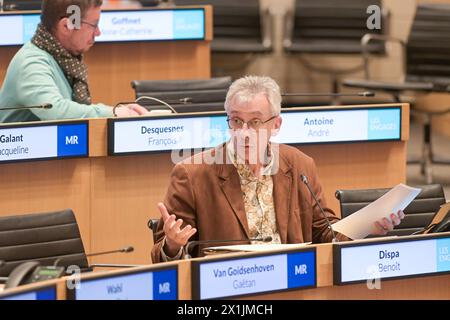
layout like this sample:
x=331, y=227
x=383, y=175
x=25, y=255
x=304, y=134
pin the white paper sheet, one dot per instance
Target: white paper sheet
x=255, y=247
x=359, y=224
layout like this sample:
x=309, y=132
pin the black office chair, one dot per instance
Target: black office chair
x=418, y=214
x=330, y=27
x=44, y=238
x=195, y=95
x=19, y=5
x=149, y=3
x=153, y=225
x=426, y=68
x=240, y=28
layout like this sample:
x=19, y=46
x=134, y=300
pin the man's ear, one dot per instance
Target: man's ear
x=64, y=26
x=276, y=126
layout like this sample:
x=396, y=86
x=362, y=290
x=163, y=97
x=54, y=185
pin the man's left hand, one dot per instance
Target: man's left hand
x=385, y=225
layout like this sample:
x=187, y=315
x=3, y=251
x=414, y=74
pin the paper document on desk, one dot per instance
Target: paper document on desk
x=254, y=247
x=359, y=224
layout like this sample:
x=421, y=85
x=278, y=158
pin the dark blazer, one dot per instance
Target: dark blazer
x=209, y=198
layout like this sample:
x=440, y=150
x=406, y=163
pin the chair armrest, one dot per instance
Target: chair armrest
x=267, y=28
x=288, y=27
x=366, y=54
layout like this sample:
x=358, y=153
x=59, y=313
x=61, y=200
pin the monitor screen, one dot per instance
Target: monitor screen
x=118, y=26
x=252, y=274
x=130, y=285
x=43, y=293
x=300, y=126
x=25, y=142
x=391, y=259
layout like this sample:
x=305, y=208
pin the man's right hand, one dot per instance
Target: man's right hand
x=175, y=236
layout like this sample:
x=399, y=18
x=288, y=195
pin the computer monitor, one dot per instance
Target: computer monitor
x=45, y=292
x=131, y=284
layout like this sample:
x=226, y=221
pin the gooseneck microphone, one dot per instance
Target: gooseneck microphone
x=127, y=249
x=123, y=250
x=305, y=181
x=357, y=94
x=40, y=106
x=191, y=244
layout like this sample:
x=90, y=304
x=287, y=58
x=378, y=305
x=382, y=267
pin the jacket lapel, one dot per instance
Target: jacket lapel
x=282, y=183
x=231, y=187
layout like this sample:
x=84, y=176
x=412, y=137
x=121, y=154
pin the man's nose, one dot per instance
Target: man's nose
x=245, y=130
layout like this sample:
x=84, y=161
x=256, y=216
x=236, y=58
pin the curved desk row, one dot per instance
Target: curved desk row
x=325, y=271
x=113, y=196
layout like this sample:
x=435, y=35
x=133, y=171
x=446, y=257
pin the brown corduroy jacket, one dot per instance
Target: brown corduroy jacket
x=209, y=197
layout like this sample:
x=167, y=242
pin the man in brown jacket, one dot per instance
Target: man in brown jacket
x=249, y=187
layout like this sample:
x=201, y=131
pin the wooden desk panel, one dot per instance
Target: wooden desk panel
x=113, y=66
x=433, y=287
x=358, y=166
x=125, y=191
x=44, y=186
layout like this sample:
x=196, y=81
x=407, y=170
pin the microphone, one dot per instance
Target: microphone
x=40, y=106
x=305, y=181
x=357, y=94
x=180, y=101
x=185, y=100
x=199, y=242
x=127, y=249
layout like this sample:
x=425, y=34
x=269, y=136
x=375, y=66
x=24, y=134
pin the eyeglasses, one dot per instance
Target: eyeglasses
x=236, y=123
x=94, y=26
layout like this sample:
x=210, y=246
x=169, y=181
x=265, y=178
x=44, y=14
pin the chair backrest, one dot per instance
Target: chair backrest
x=238, y=25
x=149, y=3
x=418, y=214
x=204, y=94
x=15, y=5
x=428, y=46
x=43, y=237
x=329, y=26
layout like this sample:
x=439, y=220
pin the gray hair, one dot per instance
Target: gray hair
x=246, y=88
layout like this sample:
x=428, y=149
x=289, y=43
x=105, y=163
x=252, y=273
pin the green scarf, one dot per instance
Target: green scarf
x=73, y=66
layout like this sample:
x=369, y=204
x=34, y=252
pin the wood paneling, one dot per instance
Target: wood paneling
x=44, y=186
x=112, y=67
